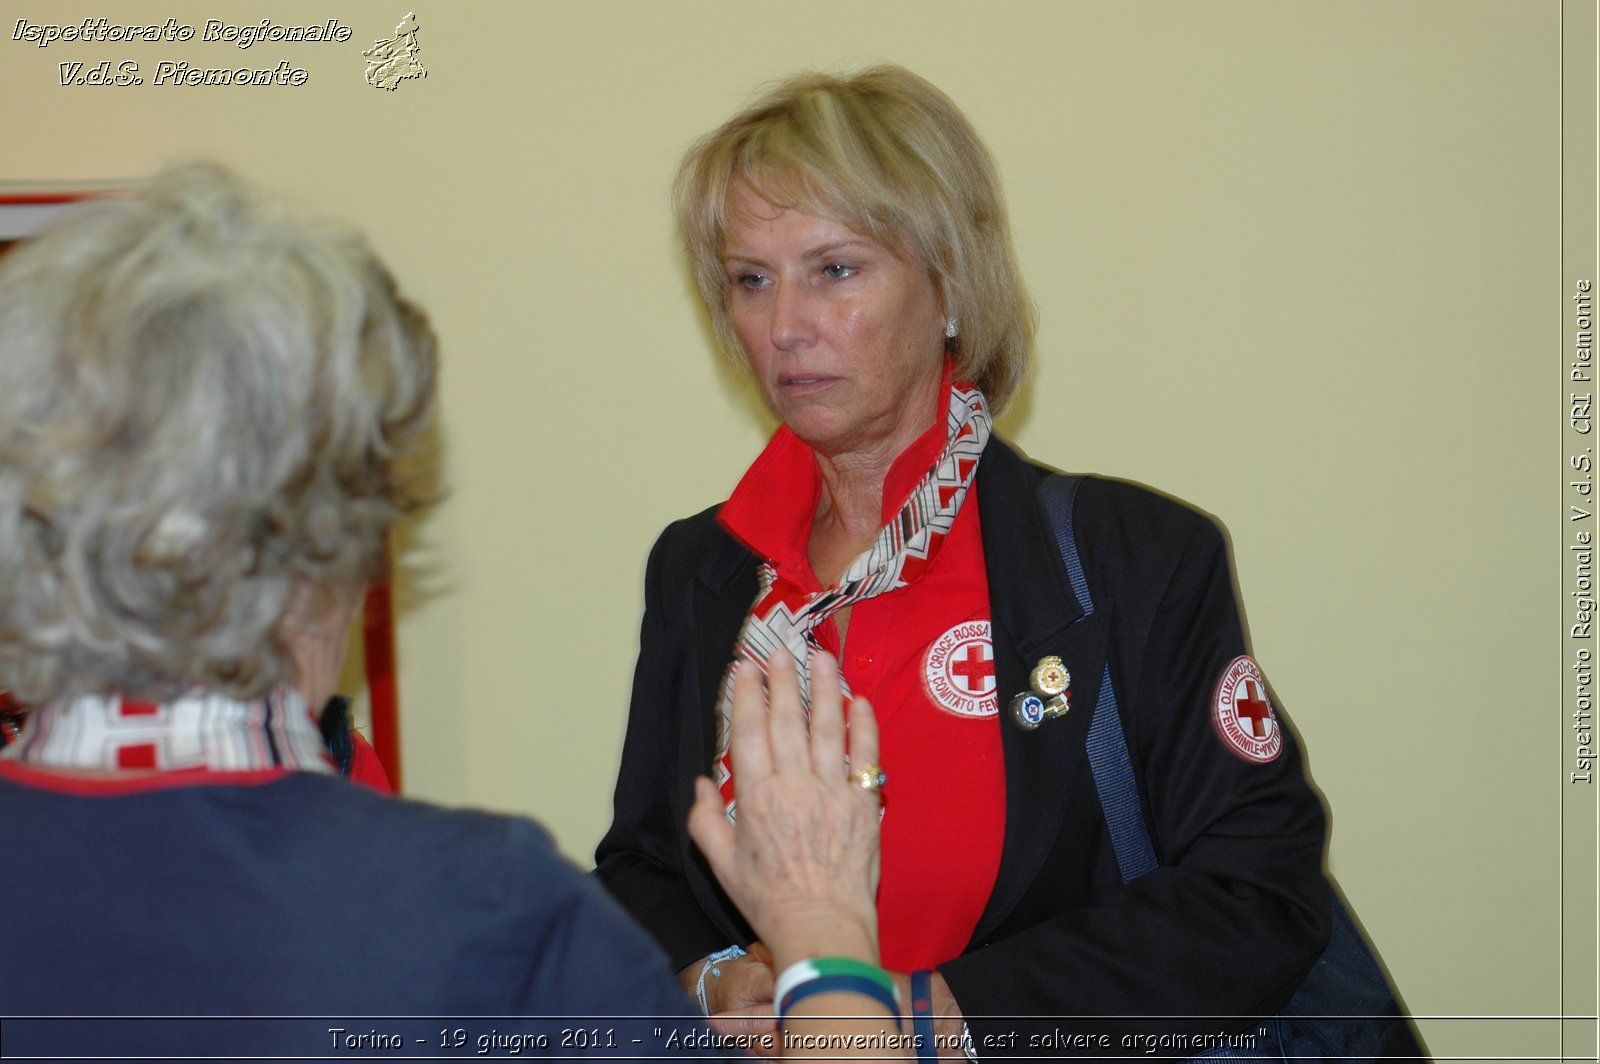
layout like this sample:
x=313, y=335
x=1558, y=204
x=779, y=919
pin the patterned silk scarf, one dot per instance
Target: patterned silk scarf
x=197, y=731
x=786, y=616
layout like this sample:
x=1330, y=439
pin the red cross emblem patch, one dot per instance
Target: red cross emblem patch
x=1243, y=714
x=958, y=671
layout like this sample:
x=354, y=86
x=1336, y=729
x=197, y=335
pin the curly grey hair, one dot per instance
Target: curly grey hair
x=204, y=406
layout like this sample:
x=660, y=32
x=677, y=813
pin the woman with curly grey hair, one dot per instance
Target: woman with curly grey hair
x=211, y=414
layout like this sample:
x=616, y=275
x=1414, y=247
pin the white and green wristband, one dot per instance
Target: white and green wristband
x=824, y=975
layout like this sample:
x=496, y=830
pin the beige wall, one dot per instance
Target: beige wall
x=1296, y=263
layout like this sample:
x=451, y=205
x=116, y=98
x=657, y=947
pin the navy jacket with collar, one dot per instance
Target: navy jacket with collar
x=1226, y=928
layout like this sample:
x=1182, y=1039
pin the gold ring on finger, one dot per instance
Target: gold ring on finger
x=870, y=778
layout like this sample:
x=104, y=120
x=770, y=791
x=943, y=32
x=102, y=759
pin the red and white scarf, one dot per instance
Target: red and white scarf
x=197, y=731
x=786, y=615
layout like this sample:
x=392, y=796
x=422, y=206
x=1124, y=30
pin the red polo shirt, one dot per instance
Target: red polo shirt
x=922, y=655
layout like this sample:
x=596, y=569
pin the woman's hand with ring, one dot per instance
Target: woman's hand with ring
x=802, y=861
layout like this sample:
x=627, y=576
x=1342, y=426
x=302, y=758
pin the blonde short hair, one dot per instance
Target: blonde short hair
x=890, y=156
x=204, y=405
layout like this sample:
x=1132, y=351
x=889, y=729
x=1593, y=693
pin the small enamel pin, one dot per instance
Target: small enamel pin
x=1049, y=698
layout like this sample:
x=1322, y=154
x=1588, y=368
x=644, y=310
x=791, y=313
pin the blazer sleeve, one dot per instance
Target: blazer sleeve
x=1238, y=911
x=642, y=858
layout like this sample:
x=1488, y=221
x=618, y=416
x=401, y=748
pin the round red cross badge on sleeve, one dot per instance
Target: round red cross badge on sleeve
x=1243, y=714
x=958, y=671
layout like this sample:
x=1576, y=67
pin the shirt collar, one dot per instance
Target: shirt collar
x=771, y=509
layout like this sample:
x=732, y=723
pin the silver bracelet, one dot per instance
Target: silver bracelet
x=710, y=966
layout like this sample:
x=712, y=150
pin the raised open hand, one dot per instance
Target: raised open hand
x=802, y=861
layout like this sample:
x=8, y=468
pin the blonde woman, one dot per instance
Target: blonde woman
x=851, y=244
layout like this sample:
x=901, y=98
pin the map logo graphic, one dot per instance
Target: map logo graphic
x=389, y=62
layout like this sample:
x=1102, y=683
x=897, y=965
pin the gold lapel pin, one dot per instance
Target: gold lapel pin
x=1049, y=697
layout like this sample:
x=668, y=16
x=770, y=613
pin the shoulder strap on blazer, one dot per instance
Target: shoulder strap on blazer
x=1107, y=745
x=1345, y=1010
